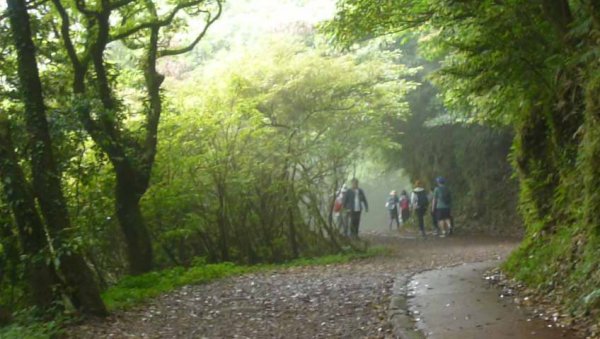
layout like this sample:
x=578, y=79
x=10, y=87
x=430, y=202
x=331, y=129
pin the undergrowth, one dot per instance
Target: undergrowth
x=134, y=290
x=563, y=268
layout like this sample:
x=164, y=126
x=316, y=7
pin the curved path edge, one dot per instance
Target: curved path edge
x=402, y=322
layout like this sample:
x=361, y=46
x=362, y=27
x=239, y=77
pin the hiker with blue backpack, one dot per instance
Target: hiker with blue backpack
x=434, y=222
x=442, y=202
x=419, y=203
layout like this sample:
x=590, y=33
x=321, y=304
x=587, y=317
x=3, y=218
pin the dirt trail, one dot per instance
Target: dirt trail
x=339, y=301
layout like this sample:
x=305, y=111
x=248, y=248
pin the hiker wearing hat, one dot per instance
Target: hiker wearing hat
x=442, y=202
x=392, y=206
x=419, y=203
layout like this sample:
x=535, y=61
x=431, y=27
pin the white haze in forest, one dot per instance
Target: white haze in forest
x=243, y=22
x=247, y=24
x=259, y=17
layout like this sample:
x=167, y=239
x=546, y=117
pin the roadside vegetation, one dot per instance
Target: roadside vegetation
x=530, y=67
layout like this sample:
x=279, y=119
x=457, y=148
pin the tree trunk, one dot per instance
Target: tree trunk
x=291, y=207
x=222, y=223
x=80, y=284
x=40, y=276
x=139, y=245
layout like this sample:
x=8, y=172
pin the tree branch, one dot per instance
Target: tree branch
x=30, y=5
x=161, y=23
x=64, y=31
x=119, y=4
x=80, y=4
x=209, y=21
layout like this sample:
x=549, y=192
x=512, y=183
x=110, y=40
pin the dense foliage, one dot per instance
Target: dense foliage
x=123, y=149
x=254, y=160
x=121, y=170
x=532, y=65
x=472, y=157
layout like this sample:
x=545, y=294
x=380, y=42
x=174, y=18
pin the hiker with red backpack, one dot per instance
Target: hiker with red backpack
x=338, y=211
x=404, y=207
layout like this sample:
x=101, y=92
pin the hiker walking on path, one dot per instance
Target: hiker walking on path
x=340, y=217
x=355, y=201
x=404, y=207
x=419, y=203
x=434, y=221
x=392, y=205
x=442, y=202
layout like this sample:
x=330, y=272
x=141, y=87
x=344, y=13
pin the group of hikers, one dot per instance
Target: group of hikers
x=350, y=203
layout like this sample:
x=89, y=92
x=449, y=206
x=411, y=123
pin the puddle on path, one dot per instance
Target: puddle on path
x=457, y=302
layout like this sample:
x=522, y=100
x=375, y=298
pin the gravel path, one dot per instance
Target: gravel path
x=335, y=301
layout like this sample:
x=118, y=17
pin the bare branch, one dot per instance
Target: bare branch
x=209, y=21
x=160, y=23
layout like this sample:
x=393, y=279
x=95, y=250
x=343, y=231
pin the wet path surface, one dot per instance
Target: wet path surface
x=336, y=301
x=457, y=302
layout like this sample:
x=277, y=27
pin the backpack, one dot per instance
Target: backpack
x=422, y=200
x=445, y=195
x=404, y=203
x=392, y=203
x=338, y=204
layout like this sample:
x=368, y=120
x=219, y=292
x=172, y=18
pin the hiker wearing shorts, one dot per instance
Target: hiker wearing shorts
x=442, y=202
x=434, y=221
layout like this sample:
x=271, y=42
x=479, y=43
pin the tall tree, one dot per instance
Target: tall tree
x=41, y=276
x=132, y=158
x=46, y=178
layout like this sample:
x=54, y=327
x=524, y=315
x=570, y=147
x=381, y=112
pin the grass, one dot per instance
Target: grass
x=132, y=290
x=27, y=326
